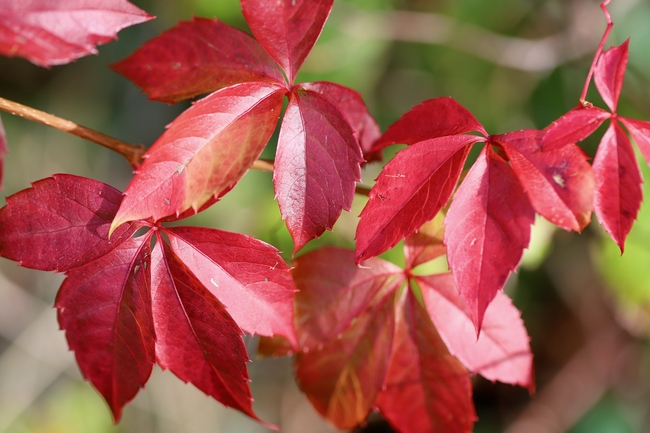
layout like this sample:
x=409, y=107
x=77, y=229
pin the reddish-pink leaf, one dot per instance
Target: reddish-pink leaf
x=316, y=166
x=195, y=57
x=610, y=72
x=431, y=119
x=333, y=291
x=487, y=229
x=640, y=132
x=57, y=32
x=343, y=378
x=411, y=190
x=60, y=223
x=287, y=29
x=502, y=351
x=195, y=336
x=574, y=126
x=3, y=150
x=195, y=159
x=426, y=389
x=351, y=104
x=618, y=184
x=425, y=244
x=105, y=310
x=246, y=275
x=559, y=182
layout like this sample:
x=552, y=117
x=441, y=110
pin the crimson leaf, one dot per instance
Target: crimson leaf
x=609, y=74
x=574, y=126
x=640, y=131
x=425, y=244
x=58, y=32
x=196, y=57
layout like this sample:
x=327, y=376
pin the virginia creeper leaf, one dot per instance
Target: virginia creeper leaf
x=618, y=184
x=640, y=132
x=104, y=307
x=333, y=291
x=57, y=32
x=411, y=189
x=351, y=104
x=574, y=126
x=195, y=57
x=425, y=244
x=343, y=378
x=195, y=159
x=248, y=276
x=431, y=119
x=426, y=389
x=487, y=229
x=3, y=150
x=61, y=223
x=502, y=351
x=316, y=166
x=559, y=182
x=195, y=336
x=287, y=29
x=610, y=72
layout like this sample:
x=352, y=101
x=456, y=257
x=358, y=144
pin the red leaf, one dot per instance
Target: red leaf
x=195, y=57
x=195, y=336
x=425, y=244
x=60, y=223
x=316, y=166
x=350, y=103
x=426, y=389
x=287, y=29
x=559, y=182
x=105, y=309
x=3, y=150
x=574, y=126
x=246, y=275
x=431, y=119
x=502, y=351
x=411, y=189
x=487, y=229
x=57, y=32
x=618, y=184
x=610, y=72
x=333, y=291
x=343, y=378
x=195, y=160
x=640, y=132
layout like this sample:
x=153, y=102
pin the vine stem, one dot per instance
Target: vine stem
x=608, y=17
x=131, y=152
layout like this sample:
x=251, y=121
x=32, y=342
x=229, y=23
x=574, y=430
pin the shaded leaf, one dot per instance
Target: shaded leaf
x=316, y=166
x=61, y=223
x=640, y=132
x=195, y=336
x=559, y=182
x=618, y=184
x=411, y=190
x=610, y=72
x=195, y=160
x=426, y=389
x=287, y=29
x=572, y=127
x=431, y=119
x=425, y=244
x=57, y=32
x=105, y=310
x=502, y=351
x=487, y=229
x=246, y=275
x=343, y=378
x=195, y=57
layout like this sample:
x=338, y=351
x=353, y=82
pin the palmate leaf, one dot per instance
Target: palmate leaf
x=58, y=32
x=317, y=165
x=640, y=132
x=287, y=29
x=574, y=126
x=196, y=57
x=610, y=72
x=195, y=159
x=426, y=389
x=425, y=244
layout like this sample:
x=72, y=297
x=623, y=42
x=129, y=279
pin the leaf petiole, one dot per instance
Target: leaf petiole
x=608, y=17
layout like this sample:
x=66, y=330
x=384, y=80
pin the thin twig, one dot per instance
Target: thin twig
x=608, y=17
x=131, y=152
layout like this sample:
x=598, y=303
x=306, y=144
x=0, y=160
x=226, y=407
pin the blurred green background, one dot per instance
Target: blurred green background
x=513, y=63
